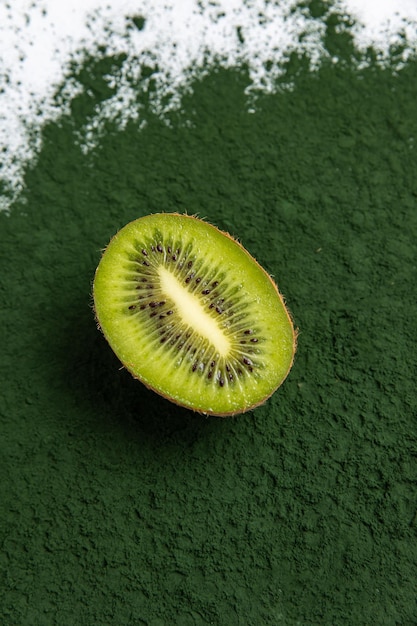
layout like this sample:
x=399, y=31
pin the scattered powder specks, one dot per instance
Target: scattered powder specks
x=174, y=40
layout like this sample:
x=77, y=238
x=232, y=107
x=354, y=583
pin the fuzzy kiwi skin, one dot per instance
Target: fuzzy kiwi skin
x=182, y=402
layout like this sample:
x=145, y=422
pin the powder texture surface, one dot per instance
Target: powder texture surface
x=158, y=48
x=118, y=507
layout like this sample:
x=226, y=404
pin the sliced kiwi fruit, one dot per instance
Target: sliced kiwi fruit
x=192, y=315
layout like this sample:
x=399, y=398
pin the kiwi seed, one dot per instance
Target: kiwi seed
x=192, y=315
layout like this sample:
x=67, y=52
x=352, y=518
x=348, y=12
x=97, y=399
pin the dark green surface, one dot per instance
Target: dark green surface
x=120, y=508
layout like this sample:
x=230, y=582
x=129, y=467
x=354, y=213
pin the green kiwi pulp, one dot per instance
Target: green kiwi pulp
x=192, y=315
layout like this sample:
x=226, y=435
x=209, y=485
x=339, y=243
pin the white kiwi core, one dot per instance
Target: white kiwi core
x=192, y=311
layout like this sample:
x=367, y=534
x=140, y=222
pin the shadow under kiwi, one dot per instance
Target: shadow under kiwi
x=107, y=392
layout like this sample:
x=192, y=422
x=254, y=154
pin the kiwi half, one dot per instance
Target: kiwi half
x=192, y=315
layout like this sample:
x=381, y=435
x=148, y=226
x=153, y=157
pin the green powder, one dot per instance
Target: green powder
x=121, y=508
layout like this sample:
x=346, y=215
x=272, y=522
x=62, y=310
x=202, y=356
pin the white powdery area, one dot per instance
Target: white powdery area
x=181, y=38
x=383, y=24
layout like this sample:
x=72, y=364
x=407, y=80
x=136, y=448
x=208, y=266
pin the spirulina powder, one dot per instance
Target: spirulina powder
x=121, y=508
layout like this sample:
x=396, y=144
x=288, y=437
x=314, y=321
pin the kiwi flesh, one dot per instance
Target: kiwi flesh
x=192, y=315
